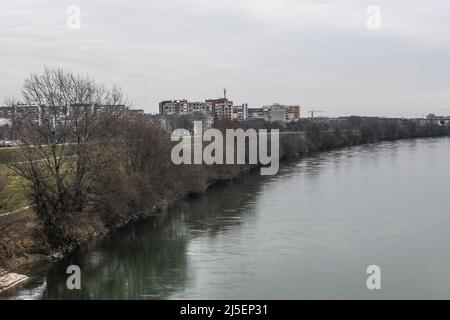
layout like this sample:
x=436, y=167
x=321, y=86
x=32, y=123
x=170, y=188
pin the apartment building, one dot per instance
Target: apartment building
x=293, y=113
x=53, y=114
x=169, y=107
x=224, y=109
x=6, y=112
x=181, y=107
x=255, y=113
x=240, y=113
x=135, y=114
x=221, y=109
x=212, y=109
x=279, y=112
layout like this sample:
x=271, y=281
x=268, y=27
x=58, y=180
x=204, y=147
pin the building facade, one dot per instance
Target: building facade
x=212, y=109
x=255, y=114
x=280, y=112
x=224, y=109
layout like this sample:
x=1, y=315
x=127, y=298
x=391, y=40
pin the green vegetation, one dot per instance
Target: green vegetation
x=15, y=154
x=8, y=155
x=14, y=194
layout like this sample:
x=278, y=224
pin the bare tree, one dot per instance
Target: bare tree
x=142, y=149
x=59, y=124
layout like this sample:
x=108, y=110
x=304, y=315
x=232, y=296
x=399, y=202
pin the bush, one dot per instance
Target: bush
x=20, y=235
x=292, y=145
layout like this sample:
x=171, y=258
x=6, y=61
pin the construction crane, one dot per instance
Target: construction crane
x=312, y=112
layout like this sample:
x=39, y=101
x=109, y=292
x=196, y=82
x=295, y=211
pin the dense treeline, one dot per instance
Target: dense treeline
x=89, y=173
x=318, y=135
x=359, y=130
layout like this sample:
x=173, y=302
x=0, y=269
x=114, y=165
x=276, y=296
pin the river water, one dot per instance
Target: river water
x=309, y=232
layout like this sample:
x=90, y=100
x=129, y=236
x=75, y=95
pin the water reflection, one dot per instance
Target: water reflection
x=148, y=259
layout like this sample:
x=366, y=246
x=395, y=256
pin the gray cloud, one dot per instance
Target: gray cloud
x=315, y=53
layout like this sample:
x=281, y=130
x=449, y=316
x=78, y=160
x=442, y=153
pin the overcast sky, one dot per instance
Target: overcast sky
x=316, y=53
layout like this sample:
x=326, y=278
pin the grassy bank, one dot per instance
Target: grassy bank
x=15, y=191
x=10, y=154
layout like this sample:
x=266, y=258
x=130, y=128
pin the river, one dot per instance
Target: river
x=309, y=232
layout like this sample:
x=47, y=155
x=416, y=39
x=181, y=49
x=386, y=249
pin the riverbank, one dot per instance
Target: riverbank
x=319, y=222
x=27, y=234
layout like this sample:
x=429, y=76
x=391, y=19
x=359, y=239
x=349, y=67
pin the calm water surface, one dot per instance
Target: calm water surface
x=309, y=232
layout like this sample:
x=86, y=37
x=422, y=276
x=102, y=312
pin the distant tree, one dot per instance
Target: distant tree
x=228, y=124
x=257, y=124
x=280, y=125
x=370, y=130
x=185, y=121
x=313, y=132
x=355, y=122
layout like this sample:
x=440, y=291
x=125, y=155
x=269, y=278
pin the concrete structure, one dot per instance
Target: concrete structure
x=293, y=113
x=255, y=113
x=9, y=280
x=135, y=114
x=118, y=110
x=221, y=109
x=279, y=112
x=274, y=112
x=240, y=113
x=173, y=107
x=42, y=113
